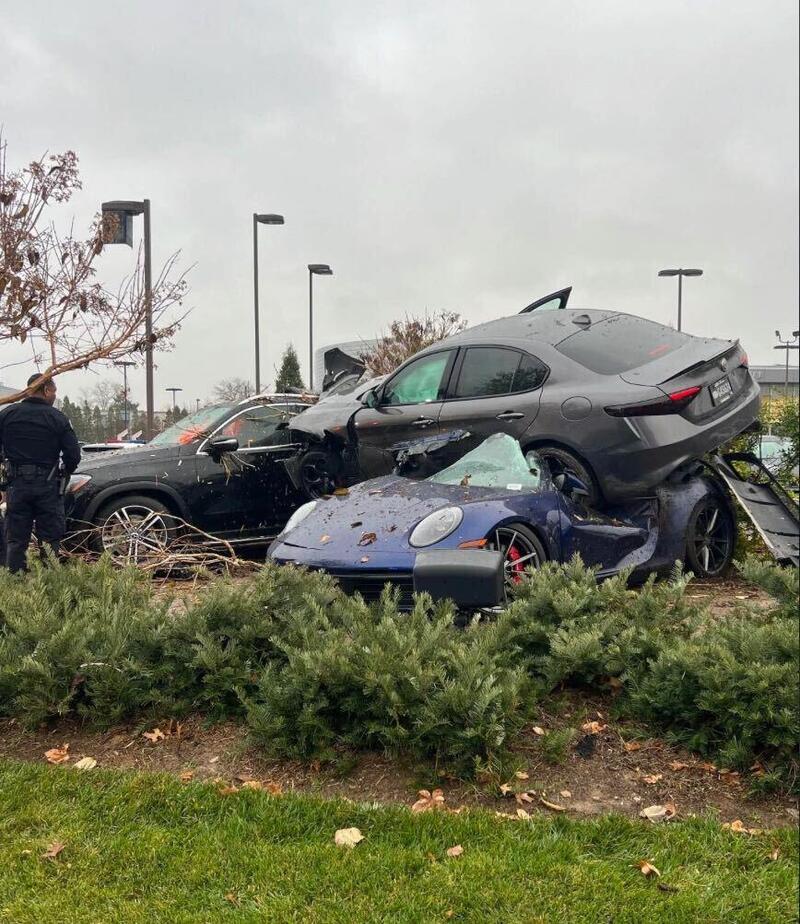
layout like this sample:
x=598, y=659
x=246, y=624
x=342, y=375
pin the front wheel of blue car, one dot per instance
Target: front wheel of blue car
x=710, y=537
x=521, y=550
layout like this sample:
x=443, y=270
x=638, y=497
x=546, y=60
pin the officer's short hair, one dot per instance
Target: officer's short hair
x=38, y=375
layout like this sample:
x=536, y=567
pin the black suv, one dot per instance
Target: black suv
x=220, y=470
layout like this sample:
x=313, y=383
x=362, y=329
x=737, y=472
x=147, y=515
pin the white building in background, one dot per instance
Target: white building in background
x=6, y=390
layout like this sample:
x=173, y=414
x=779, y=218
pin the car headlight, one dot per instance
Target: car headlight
x=77, y=482
x=298, y=516
x=436, y=526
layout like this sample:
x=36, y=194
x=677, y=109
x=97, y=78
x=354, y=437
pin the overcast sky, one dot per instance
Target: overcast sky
x=447, y=155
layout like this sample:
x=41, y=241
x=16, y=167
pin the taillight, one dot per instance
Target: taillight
x=672, y=403
x=744, y=360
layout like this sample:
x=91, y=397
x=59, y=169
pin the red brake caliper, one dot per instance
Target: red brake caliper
x=512, y=555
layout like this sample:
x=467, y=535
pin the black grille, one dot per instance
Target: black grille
x=370, y=585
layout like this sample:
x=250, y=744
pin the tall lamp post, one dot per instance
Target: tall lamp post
x=119, y=230
x=314, y=269
x=174, y=405
x=787, y=345
x=259, y=220
x=680, y=273
x=125, y=364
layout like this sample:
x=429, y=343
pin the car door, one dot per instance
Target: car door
x=245, y=494
x=408, y=404
x=494, y=389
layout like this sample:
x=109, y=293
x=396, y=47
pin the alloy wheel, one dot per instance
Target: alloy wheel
x=134, y=534
x=713, y=539
x=519, y=553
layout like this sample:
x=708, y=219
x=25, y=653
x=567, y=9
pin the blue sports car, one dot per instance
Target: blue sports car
x=470, y=530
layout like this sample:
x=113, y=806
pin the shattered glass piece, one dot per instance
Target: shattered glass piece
x=497, y=463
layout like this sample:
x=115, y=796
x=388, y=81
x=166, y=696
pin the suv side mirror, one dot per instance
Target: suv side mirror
x=222, y=444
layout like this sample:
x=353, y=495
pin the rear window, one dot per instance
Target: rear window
x=621, y=343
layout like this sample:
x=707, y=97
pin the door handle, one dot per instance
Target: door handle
x=510, y=415
x=423, y=422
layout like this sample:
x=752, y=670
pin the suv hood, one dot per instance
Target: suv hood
x=125, y=458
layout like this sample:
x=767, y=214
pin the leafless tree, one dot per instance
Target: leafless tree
x=409, y=336
x=49, y=296
x=233, y=389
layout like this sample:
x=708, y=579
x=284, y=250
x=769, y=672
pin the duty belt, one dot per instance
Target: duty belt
x=27, y=470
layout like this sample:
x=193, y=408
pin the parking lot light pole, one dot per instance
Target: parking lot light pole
x=787, y=345
x=125, y=364
x=680, y=273
x=314, y=269
x=119, y=230
x=259, y=220
x=174, y=405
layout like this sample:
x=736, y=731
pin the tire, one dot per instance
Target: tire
x=562, y=460
x=710, y=537
x=134, y=528
x=318, y=473
x=521, y=547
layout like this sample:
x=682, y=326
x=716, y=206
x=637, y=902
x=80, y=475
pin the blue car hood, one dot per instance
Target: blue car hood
x=389, y=507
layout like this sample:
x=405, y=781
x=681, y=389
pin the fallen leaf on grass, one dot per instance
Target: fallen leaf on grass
x=232, y=898
x=521, y=775
x=647, y=868
x=274, y=789
x=506, y=788
x=228, y=790
x=367, y=538
x=565, y=794
x=652, y=778
x=187, y=776
x=657, y=813
x=677, y=765
x=775, y=853
x=53, y=850
x=521, y=813
x=593, y=728
x=632, y=746
x=552, y=805
x=537, y=730
x=455, y=851
x=252, y=784
x=57, y=755
x=155, y=735
x=738, y=827
x=85, y=763
x=348, y=837
x=428, y=800
x=522, y=797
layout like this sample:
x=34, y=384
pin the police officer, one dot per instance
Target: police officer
x=35, y=440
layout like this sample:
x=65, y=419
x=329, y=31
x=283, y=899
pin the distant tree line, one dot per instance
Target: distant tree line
x=98, y=421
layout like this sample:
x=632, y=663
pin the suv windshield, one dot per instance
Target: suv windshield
x=193, y=427
x=497, y=463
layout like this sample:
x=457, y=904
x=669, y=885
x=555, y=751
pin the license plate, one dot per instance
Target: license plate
x=721, y=391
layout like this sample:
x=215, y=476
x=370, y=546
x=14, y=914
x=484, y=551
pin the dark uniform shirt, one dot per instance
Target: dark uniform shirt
x=33, y=432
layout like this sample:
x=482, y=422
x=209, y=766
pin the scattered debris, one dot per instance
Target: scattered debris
x=455, y=851
x=658, y=813
x=154, y=736
x=553, y=806
x=57, y=755
x=85, y=763
x=367, y=538
x=593, y=728
x=53, y=850
x=647, y=868
x=652, y=778
x=348, y=837
x=738, y=827
x=537, y=730
x=428, y=800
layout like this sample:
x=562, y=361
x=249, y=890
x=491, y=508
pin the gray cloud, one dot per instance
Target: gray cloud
x=449, y=155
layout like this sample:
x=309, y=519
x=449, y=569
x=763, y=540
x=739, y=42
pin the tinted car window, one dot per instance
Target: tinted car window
x=487, y=371
x=256, y=427
x=530, y=373
x=621, y=343
x=419, y=382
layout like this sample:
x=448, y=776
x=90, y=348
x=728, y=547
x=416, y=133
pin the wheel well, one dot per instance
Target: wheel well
x=536, y=530
x=163, y=497
x=537, y=443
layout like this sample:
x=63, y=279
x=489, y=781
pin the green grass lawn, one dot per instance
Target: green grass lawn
x=148, y=848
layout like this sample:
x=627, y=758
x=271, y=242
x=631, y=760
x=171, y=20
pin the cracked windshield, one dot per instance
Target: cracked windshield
x=194, y=427
x=497, y=463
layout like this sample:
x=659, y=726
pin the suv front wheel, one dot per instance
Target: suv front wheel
x=133, y=529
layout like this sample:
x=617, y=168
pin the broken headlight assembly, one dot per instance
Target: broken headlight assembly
x=298, y=516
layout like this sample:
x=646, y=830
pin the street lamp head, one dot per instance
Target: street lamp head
x=796, y=333
x=680, y=272
x=669, y=272
x=692, y=272
x=269, y=219
x=320, y=269
x=778, y=334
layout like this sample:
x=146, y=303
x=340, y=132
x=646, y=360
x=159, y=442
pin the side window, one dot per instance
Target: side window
x=487, y=371
x=419, y=382
x=530, y=374
x=255, y=427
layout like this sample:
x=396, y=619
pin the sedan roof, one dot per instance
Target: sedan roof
x=550, y=327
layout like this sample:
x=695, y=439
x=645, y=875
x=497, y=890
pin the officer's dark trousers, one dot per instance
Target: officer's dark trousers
x=29, y=501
